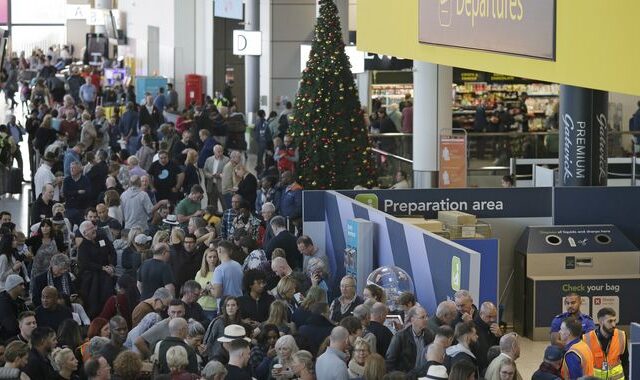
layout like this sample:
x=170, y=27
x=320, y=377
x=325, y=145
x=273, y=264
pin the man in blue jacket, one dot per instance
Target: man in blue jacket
x=291, y=201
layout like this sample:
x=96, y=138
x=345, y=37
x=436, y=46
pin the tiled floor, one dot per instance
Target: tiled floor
x=531, y=354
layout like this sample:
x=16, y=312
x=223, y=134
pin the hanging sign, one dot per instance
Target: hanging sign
x=522, y=27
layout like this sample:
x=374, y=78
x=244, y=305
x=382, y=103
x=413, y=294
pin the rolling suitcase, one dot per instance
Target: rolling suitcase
x=14, y=182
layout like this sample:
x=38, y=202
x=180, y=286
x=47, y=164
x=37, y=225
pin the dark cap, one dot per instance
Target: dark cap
x=114, y=224
x=58, y=218
x=553, y=353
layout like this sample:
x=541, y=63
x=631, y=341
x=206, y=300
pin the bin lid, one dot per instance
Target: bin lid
x=604, y=238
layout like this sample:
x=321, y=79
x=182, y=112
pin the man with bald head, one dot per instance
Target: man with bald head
x=446, y=312
x=383, y=335
x=103, y=215
x=331, y=365
x=488, y=331
x=96, y=267
x=51, y=313
x=41, y=209
x=118, y=331
x=178, y=329
x=133, y=164
x=509, y=350
x=407, y=344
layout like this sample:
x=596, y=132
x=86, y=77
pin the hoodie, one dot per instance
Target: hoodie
x=458, y=353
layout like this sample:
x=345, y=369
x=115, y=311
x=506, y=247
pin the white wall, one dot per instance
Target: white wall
x=204, y=42
x=186, y=38
x=185, y=44
x=77, y=30
x=291, y=24
x=139, y=15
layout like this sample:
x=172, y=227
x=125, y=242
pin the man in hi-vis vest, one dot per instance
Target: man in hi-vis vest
x=608, y=346
x=578, y=359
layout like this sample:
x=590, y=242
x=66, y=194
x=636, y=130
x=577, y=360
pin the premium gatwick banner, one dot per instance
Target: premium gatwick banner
x=521, y=27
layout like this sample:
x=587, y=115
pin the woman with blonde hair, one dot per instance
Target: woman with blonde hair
x=65, y=363
x=191, y=176
x=177, y=237
x=127, y=366
x=303, y=366
x=361, y=352
x=301, y=314
x=162, y=236
x=374, y=368
x=177, y=361
x=285, y=291
x=286, y=347
x=279, y=316
x=203, y=277
x=507, y=370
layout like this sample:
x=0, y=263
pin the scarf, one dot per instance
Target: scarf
x=66, y=288
x=355, y=368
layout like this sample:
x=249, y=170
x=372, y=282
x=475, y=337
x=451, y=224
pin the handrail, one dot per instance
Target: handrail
x=556, y=161
x=391, y=155
x=506, y=134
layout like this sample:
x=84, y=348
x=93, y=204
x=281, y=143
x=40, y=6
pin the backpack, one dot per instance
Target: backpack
x=38, y=97
x=283, y=125
x=6, y=154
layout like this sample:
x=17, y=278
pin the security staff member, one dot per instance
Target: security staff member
x=572, y=302
x=578, y=359
x=612, y=362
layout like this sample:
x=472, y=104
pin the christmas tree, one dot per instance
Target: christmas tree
x=328, y=122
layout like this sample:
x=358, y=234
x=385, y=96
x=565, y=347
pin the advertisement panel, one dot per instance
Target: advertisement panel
x=583, y=137
x=521, y=27
x=621, y=294
x=453, y=162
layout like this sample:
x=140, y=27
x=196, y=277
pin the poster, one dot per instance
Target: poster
x=620, y=294
x=453, y=162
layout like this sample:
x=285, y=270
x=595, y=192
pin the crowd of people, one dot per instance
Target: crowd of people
x=153, y=251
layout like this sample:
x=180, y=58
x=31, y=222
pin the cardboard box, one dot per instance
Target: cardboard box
x=456, y=218
x=429, y=225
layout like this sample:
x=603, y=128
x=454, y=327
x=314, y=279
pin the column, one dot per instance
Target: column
x=266, y=102
x=583, y=136
x=102, y=4
x=204, y=42
x=251, y=63
x=431, y=113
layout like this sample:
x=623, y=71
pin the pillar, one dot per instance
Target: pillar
x=583, y=136
x=431, y=114
x=251, y=63
x=102, y=4
x=204, y=43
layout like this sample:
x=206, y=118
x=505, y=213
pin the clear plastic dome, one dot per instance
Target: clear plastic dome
x=393, y=280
